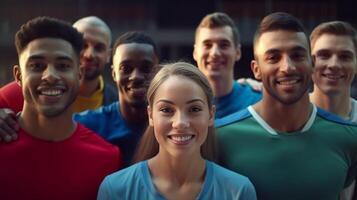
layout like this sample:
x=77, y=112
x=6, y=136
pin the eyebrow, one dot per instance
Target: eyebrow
x=215, y=40
x=36, y=57
x=188, y=102
x=296, y=48
x=329, y=50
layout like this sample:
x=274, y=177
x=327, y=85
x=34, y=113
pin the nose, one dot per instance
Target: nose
x=215, y=50
x=333, y=62
x=180, y=121
x=88, y=52
x=50, y=74
x=136, y=75
x=287, y=65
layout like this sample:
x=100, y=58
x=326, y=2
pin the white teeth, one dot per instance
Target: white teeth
x=288, y=82
x=51, y=92
x=181, y=138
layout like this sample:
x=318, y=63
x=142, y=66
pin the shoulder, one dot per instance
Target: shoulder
x=128, y=174
x=242, y=89
x=232, y=118
x=231, y=182
x=103, y=111
x=90, y=140
x=229, y=176
x=11, y=97
x=332, y=118
x=123, y=181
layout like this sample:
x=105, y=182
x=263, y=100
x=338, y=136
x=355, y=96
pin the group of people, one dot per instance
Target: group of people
x=178, y=131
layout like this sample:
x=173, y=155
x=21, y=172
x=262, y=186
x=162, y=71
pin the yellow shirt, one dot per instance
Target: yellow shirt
x=89, y=103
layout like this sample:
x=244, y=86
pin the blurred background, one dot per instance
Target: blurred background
x=170, y=22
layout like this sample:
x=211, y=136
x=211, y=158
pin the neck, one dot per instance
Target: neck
x=88, y=87
x=177, y=171
x=282, y=117
x=221, y=87
x=50, y=129
x=133, y=114
x=339, y=104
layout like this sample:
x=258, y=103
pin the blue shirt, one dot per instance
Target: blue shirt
x=109, y=124
x=239, y=98
x=135, y=182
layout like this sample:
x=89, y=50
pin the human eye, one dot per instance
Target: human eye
x=346, y=57
x=298, y=56
x=99, y=47
x=195, y=109
x=224, y=45
x=63, y=66
x=272, y=58
x=126, y=69
x=207, y=45
x=36, y=66
x=146, y=68
x=323, y=55
x=166, y=110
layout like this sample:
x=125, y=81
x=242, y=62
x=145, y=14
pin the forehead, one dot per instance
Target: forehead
x=214, y=34
x=93, y=33
x=174, y=86
x=281, y=40
x=334, y=43
x=134, y=52
x=48, y=48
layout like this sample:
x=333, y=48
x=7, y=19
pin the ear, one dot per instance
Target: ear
x=255, y=69
x=151, y=123
x=238, y=53
x=109, y=53
x=212, y=113
x=16, y=71
x=80, y=72
x=194, y=53
x=113, y=74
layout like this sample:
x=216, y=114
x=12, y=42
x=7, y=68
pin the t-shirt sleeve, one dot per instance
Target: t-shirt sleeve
x=248, y=192
x=104, y=190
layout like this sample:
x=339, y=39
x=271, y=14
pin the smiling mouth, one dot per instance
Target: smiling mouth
x=181, y=139
x=332, y=77
x=51, y=92
x=288, y=82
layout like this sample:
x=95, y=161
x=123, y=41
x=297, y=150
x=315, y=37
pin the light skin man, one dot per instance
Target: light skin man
x=123, y=122
x=334, y=47
x=216, y=50
x=50, y=158
x=276, y=142
x=93, y=92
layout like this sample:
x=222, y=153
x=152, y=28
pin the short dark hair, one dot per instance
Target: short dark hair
x=42, y=27
x=217, y=20
x=335, y=28
x=278, y=21
x=135, y=37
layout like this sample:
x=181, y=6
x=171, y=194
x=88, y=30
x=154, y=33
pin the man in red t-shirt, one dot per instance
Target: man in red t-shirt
x=54, y=157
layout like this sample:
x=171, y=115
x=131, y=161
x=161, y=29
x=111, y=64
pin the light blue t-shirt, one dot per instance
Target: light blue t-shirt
x=109, y=124
x=135, y=182
x=239, y=98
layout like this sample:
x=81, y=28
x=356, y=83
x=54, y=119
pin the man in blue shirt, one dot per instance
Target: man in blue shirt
x=216, y=50
x=122, y=123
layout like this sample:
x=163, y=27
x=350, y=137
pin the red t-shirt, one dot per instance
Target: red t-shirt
x=32, y=168
x=11, y=97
